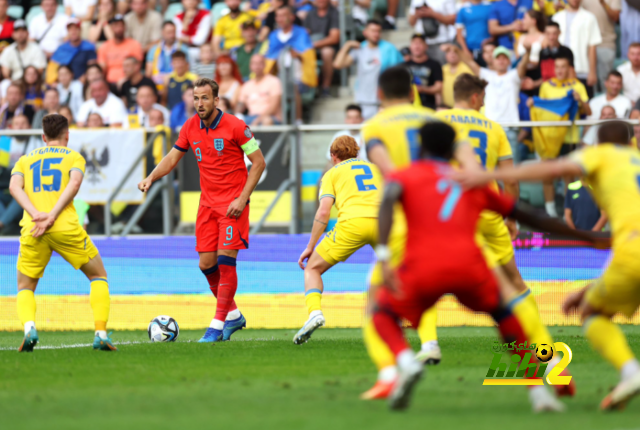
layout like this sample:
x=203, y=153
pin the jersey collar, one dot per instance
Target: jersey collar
x=214, y=124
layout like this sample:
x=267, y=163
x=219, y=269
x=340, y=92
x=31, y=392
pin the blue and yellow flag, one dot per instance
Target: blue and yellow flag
x=301, y=43
x=5, y=147
x=548, y=141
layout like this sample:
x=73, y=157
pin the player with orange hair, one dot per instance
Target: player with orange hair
x=355, y=187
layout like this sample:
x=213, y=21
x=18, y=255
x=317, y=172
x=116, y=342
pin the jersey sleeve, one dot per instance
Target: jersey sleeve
x=371, y=136
x=18, y=169
x=182, y=144
x=326, y=186
x=500, y=203
x=588, y=159
x=504, y=148
x=78, y=164
x=244, y=138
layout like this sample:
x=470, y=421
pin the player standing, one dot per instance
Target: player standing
x=44, y=182
x=612, y=169
x=356, y=188
x=219, y=142
x=440, y=213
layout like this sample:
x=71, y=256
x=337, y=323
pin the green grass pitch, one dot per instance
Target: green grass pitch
x=262, y=381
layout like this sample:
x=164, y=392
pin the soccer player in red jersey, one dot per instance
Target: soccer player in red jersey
x=219, y=142
x=442, y=256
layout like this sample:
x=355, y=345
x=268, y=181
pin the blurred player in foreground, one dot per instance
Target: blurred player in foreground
x=44, y=182
x=494, y=232
x=356, y=188
x=612, y=169
x=440, y=213
x=219, y=142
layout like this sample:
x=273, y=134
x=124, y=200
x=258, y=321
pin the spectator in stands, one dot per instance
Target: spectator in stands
x=48, y=29
x=270, y=21
x=434, y=19
x=630, y=72
x=100, y=30
x=179, y=80
x=427, y=73
x=353, y=116
x=134, y=80
x=95, y=121
x=183, y=110
x=450, y=73
x=261, y=96
x=105, y=103
x=225, y=105
x=50, y=104
x=76, y=53
x=112, y=53
x=33, y=87
x=83, y=10
x=143, y=24
x=146, y=101
x=243, y=53
x=193, y=26
x=580, y=210
x=66, y=112
x=612, y=97
x=228, y=31
x=488, y=46
x=406, y=54
x=472, y=27
x=551, y=50
x=505, y=19
x=534, y=24
x=14, y=105
x=607, y=13
x=205, y=65
x=580, y=32
x=159, y=56
x=70, y=91
x=228, y=78
x=629, y=24
x=372, y=57
x=322, y=23
x=6, y=25
x=591, y=136
x=21, y=53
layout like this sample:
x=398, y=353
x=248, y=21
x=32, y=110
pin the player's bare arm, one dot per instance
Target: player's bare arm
x=392, y=193
x=257, y=167
x=319, y=225
x=16, y=188
x=379, y=156
x=167, y=164
x=513, y=189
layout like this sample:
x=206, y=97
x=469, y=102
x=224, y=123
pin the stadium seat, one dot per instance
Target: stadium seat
x=15, y=12
x=33, y=12
x=219, y=10
x=172, y=11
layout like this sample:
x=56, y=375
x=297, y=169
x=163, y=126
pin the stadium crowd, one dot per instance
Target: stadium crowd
x=132, y=63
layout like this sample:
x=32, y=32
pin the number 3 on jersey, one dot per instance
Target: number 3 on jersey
x=364, y=177
x=481, y=149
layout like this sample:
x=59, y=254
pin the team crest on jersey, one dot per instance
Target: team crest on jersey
x=247, y=133
x=218, y=144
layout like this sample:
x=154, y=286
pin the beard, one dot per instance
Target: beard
x=205, y=115
x=235, y=10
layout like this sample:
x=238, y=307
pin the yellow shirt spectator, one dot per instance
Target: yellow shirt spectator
x=228, y=31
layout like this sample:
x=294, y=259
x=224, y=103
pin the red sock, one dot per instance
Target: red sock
x=511, y=330
x=390, y=332
x=213, y=278
x=227, y=287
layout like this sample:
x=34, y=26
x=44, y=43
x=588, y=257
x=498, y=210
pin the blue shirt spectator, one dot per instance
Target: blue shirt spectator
x=76, y=53
x=580, y=211
x=507, y=12
x=183, y=110
x=473, y=18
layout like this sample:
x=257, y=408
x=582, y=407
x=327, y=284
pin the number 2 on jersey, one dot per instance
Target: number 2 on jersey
x=481, y=149
x=43, y=168
x=454, y=191
x=364, y=177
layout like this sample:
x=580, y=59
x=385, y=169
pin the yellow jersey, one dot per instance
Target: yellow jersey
x=230, y=29
x=613, y=172
x=46, y=173
x=356, y=186
x=557, y=89
x=397, y=128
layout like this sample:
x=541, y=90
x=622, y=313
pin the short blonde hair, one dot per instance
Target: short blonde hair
x=345, y=147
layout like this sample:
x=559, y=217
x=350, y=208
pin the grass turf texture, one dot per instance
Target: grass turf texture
x=261, y=380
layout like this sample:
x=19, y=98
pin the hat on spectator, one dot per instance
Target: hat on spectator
x=72, y=21
x=117, y=18
x=19, y=24
x=501, y=50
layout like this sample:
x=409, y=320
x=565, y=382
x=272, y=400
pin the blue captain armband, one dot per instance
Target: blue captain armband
x=250, y=147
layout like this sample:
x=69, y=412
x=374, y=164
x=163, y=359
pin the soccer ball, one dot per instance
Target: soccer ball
x=163, y=329
x=544, y=352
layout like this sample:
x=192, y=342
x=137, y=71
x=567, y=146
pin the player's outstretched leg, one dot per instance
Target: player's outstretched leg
x=26, y=304
x=100, y=302
x=384, y=360
x=314, y=287
x=226, y=292
x=235, y=320
x=427, y=331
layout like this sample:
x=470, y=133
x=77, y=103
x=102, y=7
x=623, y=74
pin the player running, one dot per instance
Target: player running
x=356, y=188
x=439, y=213
x=44, y=182
x=612, y=169
x=219, y=142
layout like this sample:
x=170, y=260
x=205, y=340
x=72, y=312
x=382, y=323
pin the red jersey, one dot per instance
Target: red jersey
x=218, y=150
x=441, y=217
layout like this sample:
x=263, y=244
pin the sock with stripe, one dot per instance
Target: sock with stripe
x=608, y=340
x=525, y=308
x=227, y=287
x=26, y=303
x=312, y=298
x=213, y=278
x=100, y=304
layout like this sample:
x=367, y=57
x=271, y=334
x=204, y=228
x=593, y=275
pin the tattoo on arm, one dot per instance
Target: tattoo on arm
x=317, y=220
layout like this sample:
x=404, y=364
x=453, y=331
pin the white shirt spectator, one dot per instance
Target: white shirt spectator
x=143, y=118
x=17, y=60
x=202, y=33
x=446, y=33
x=501, y=95
x=50, y=35
x=630, y=82
x=362, y=152
x=584, y=33
x=72, y=96
x=621, y=104
x=112, y=111
x=79, y=8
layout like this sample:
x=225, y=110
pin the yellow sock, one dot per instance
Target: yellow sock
x=525, y=308
x=608, y=340
x=379, y=352
x=100, y=302
x=313, y=298
x=26, y=306
x=427, y=327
